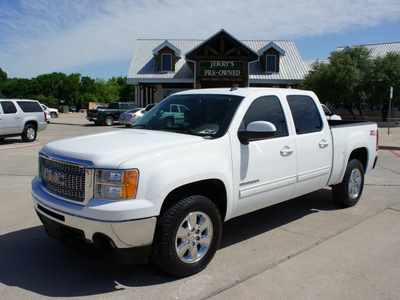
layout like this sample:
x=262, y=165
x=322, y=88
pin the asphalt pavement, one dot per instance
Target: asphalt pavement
x=305, y=248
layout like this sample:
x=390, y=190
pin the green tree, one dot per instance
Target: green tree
x=107, y=91
x=344, y=79
x=3, y=79
x=126, y=91
x=385, y=74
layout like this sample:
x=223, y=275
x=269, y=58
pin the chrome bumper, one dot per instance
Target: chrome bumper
x=124, y=234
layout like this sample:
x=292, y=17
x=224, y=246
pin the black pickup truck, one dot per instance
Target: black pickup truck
x=110, y=114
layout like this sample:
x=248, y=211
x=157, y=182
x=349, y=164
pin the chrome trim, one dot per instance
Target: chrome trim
x=72, y=161
x=89, y=176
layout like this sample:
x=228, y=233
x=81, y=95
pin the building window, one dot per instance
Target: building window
x=271, y=63
x=166, y=62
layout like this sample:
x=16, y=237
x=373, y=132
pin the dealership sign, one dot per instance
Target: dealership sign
x=222, y=68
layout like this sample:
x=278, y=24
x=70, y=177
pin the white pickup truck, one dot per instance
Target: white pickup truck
x=162, y=189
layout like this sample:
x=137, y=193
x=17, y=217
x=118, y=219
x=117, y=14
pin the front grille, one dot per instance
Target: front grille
x=63, y=178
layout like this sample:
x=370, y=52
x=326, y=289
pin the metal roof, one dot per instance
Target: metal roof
x=377, y=50
x=143, y=68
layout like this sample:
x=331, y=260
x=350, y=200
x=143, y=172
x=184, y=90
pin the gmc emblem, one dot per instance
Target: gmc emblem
x=53, y=177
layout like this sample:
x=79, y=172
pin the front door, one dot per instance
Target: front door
x=268, y=167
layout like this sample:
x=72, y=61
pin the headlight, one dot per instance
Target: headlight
x=116, y=184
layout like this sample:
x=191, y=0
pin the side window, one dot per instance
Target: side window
x=174, y=108
x=30, y=106
x=269, y=109
x=8, y=107
x=305, y=114
x=124, y=106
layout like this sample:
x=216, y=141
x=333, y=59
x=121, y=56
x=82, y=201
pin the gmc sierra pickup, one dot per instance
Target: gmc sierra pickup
x=161, y=190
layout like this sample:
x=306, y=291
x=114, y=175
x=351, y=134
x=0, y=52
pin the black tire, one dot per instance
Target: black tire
x=53, y=115
x=1, y=139
x=348, y=192
x=180, y=226
x=128, y=125
x=109, y=121
x=29, y=133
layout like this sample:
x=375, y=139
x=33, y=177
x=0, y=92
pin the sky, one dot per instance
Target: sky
x=97, y=38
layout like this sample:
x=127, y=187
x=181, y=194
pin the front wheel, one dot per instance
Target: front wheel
x=187, y=236
x=348, y=192
x=29, y=133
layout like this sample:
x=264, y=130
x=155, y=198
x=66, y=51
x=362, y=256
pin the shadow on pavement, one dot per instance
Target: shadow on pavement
x=31, y=260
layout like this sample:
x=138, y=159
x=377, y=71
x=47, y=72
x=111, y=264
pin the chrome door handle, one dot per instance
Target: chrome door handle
x=323, y=144
x=287, y=150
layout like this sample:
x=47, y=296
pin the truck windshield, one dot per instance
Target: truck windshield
x=204, y=115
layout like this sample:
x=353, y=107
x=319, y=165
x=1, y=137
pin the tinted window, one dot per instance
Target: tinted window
x=29, y=106
x=174, y=108
x=8, y=107
x=124, y=106
x=113, y=106
x=305, y=114
x=269, y=109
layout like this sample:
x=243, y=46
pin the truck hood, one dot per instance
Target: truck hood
x=111, y=149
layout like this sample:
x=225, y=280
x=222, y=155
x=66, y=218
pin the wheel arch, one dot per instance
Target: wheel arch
x=213, y=189
x=360, y=154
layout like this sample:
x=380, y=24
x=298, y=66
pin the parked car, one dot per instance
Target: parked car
x=52, y=112
x=163, y=192
x=21, y=117
x=130, y=117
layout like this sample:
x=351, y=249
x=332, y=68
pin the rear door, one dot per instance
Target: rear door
x=313, y=144
x=11, y=118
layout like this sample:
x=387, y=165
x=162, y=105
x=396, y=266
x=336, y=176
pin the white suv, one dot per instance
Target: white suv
x=21, y=117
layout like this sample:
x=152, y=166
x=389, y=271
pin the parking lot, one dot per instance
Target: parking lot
x=306, y=248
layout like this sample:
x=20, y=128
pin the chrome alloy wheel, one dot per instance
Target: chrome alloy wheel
x=355, y=182
x=31, y=133
x=193, y=237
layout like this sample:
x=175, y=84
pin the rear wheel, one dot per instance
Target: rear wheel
x=109, y=121
x=187, y=236
x=29, y=133
x=53, y=115
x=348, y=192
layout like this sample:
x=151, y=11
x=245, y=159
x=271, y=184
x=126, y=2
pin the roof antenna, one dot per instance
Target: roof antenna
x=233, y=88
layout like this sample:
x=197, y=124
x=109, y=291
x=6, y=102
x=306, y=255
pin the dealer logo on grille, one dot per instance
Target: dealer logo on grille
x=53, y=177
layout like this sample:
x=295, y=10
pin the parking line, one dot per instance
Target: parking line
x=395, y=153
x=10, y=148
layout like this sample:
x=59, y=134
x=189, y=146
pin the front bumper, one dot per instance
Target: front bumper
x=124, y=234
x=113, y=237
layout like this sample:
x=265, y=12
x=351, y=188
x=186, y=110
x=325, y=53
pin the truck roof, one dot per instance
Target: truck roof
x=250, y=91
